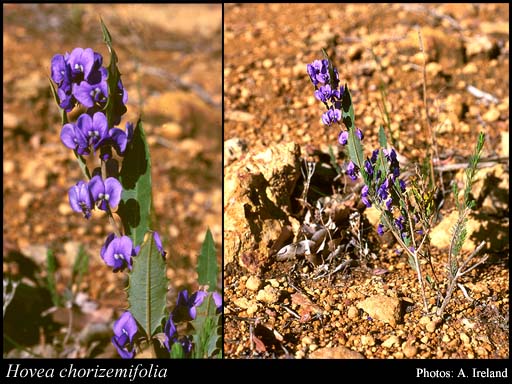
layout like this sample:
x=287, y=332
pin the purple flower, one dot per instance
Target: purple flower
x=382, y=192
x=158, y=243
x=332, y=115
x=81, y=62
x=91, y=94
x=359, y=134
x=402, y=185
x=375, y=154
x=324, y=93
x=171, y=333
x=380, y=229
x=318, y=71
x=186, y=306
x=60, y=72
x=368, y=167
x=80, y=198
x=121, y=138
x=171, y=337
x=94, y=129
x=117, y=252
x=364, y=196
x=217, y=298
x=72, y=137
x=343, y=138
x=125, y=329
x=352, y=170
x=105, y=192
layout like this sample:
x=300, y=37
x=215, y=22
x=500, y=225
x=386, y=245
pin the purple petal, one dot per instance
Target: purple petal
x=96, y=187
x=105, y=245
x=343, y=137
x=82, y=93
x=123, y=352
x=217, y=298
x=113, y=189
x=68, y=136
x=125, y=325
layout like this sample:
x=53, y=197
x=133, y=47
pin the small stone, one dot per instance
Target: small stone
x=433, y=69
x=352, y=312
x=268, y=295
x=424, y=320
x=9, y=166
x=171, y=130
x=253, y=283
x=492, y=115
x=367, y=340
x=306, y=340
x=465, y=338
x=390, y=341
x=25, y=199
x=267, y=63
x=446, y=338
x=274, y=283
x=11, y=121
x=335, y=353
x=313, y=347
x=431, y=326
x=410, y=351
x=383, y=308
x=65, y=209
x=470, y=69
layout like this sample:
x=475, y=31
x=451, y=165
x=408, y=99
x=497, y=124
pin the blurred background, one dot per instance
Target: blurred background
x=170, y=57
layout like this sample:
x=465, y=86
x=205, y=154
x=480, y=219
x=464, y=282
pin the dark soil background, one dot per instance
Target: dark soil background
x=170, y=57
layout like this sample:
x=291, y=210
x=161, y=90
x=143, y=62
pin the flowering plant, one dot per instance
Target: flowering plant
x=408, y=212
x=121, y=187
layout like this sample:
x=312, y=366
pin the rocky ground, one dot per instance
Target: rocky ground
x=365, y=302
x=170, y=57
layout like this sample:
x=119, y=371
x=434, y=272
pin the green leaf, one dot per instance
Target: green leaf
x=147, y=287
x=80, y=266
x=355, y=148
x=177, y=351
x=113, y=78
x=207, y=264
x=207, y=328
x=51, y=263
x=382, y=138
x=135, y=177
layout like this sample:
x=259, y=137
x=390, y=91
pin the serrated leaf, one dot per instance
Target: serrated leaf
x=135, y=177
x=207, y=264
x=382, y=138
x=355, y=148
x=114, y=98
x=207, y=329
x=147, y=287
x=177, y=351
x=80, y=266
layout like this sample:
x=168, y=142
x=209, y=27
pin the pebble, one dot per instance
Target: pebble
x=410, y=350
x=268, y=295
x=353, y=312
x=390, y=341
x=367, y=340
x=9, y=166
x=306, y=340
x=25, y=199
x=492, y=115
x=465, y=338
x=171, y=130
x=383, y=308
x=335, y=353
x=11, y=121
x=64, y=209
x=253, y=283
